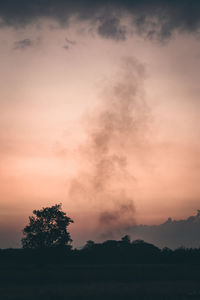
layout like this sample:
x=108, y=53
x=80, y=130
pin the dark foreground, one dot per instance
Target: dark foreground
x=54, y=282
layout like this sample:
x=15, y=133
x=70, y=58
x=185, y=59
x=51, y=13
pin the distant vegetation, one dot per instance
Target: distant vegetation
x=122, y=251
x=48, y=268
x=47, y=240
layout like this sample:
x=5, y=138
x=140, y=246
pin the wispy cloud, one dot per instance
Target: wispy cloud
x=69, y=43
x=23, y=44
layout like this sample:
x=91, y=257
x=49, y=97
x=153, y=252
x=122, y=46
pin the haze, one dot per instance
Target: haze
x=105, y=123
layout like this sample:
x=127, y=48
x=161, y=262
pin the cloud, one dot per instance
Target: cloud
x=23, y=44
x=69, y=44
x=172, y=233
x=110, y=28
x=66, y=47
x=151, y=18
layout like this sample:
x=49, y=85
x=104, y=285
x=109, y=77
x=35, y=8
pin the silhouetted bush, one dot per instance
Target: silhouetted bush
x=109, y=252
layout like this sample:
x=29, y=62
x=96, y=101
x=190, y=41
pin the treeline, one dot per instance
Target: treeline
x=109, y=252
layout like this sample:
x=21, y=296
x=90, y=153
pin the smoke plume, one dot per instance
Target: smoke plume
x=115, y=141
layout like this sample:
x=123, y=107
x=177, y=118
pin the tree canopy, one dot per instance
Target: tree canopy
x=47, y=228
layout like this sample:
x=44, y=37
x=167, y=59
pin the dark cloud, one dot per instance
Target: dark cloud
x=172, y=233
x=23, y=44
x=151, y=18
x=110, y=28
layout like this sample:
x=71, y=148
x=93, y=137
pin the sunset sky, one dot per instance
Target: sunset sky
x=100, y=107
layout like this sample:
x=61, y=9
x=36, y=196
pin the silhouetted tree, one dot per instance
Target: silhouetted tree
x=47, y=229
x=89, y=245
x=126, y=240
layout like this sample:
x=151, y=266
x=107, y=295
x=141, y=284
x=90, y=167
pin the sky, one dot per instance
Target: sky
x=100, y=112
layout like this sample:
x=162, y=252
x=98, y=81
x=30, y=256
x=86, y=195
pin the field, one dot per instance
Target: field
x=54, y=282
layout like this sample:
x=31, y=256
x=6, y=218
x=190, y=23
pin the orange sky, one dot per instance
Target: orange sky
x=54, y=102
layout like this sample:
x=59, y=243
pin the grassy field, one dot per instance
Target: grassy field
x=54, y=282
